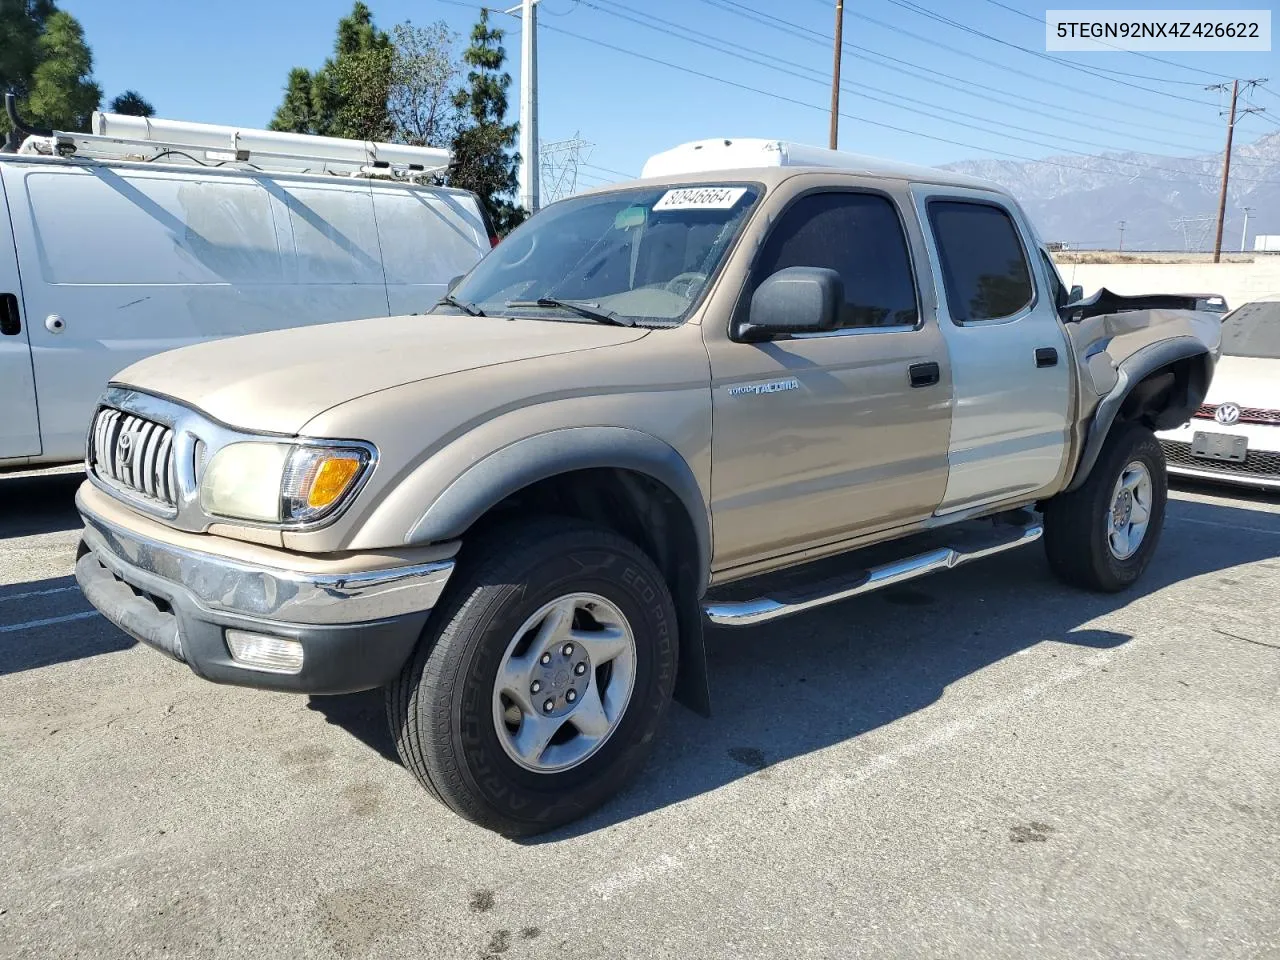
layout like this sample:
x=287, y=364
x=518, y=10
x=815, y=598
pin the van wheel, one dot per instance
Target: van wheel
x=536, y=690
x=1102, y=536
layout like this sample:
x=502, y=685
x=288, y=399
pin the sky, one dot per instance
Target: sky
x=919, y=90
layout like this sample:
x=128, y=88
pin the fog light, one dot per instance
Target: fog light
x=272, y=654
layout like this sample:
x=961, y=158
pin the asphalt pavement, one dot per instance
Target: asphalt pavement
x=979, y=764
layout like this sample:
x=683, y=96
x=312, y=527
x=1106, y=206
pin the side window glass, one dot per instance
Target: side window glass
x=984, y=267
x=859, y=235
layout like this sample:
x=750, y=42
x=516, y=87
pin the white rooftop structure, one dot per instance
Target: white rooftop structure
x=752, y=153
x=147, y=139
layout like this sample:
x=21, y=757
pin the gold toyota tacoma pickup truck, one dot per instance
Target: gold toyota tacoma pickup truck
x=651, y=406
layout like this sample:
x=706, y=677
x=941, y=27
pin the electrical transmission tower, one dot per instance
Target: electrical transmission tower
x=1201, y=225
x=559, y=161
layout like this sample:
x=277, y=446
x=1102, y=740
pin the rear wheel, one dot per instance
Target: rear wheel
x=1102, y=536
x=537, y=689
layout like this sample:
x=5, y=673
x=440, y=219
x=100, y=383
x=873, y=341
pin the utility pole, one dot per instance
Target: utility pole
x=1122, y=234
x=834, y=138
x=1226, y=158
x=529, y=172
x=1244, y=234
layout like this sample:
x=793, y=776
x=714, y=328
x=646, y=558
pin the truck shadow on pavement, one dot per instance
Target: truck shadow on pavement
x=49, y=621
x=783, y=690
x=32, y=504
x=794, y=687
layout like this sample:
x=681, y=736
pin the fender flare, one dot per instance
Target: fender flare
x=512, y=468
x=1132, y=371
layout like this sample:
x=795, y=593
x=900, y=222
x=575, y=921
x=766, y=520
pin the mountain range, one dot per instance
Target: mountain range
x=1167, y=203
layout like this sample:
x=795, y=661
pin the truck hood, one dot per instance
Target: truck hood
x=1246, y=381
x=275, y=382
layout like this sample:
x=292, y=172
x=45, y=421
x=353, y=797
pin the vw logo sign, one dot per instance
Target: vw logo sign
x=1227, y=413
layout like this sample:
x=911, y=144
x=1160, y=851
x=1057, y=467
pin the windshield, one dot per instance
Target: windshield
x=1253, y=330
x=641, y=255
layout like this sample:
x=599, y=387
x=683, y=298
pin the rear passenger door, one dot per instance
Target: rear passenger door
x=19, y=426
x=1010, y=361
x=821, y=437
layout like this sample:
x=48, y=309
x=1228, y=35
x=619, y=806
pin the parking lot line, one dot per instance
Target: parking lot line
x=36, y=593
x=1230, y=526
x=48, y=621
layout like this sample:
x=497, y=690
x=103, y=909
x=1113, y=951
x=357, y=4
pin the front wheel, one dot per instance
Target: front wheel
x=1102, y=535
x=537, y=689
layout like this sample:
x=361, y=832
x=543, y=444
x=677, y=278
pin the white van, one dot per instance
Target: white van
x=131, y=241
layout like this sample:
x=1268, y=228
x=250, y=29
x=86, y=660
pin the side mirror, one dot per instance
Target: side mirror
x=1077, y=293
x=454, y=282
x=794, y=300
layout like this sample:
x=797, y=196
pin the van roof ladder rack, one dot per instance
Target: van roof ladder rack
x=121, y=137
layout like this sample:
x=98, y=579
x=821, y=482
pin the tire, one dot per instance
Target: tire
x=1079, y=526
x=460, y=737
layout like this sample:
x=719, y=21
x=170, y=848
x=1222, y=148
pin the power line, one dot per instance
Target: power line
x=1038, y=79
x=616, y=173
x=867, y=120
x=740, y=9
x=740, y=51
x=988, y=94
x=1098, y=72
x=905, y=67
x=790, y=67
x=1181, y=175
x=1136, y=53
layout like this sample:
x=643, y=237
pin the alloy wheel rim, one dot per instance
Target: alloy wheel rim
x=1129, y=513
x=564, y=683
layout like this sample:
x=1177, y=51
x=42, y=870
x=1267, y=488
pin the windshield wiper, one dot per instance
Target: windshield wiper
x=591, y=311
x=470, y=309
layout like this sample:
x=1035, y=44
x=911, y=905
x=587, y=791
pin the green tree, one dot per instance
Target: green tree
x=63, y=94
x=423, y=72
x=297, y=113
x=133, y=104
x=21, y=23
x=347, y=96
x=483, y=157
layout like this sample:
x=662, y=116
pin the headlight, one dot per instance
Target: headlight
x=280, y=482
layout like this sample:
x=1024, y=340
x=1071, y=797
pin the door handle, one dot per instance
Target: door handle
x=924, y=374
x=10, y=318
x=1046, y=357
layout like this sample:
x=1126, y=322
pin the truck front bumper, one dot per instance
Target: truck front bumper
x=340, y=632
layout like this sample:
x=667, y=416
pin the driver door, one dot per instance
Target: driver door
x=819, y=438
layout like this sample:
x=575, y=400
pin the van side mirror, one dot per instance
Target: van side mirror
x=454, y=282
x=1077, y=293
x=794, y=300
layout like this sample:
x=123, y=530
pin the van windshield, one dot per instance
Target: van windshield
x=1253, y=330
x=638, y=256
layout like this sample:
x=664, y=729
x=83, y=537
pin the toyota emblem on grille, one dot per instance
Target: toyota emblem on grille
x=1227, y=413
x=124, y=448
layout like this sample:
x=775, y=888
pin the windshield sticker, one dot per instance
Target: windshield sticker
x=700, y=198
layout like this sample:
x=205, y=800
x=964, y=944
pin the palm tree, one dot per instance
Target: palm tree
x=131, y=102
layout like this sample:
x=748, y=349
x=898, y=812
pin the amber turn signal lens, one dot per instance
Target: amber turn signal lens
x=332, y=480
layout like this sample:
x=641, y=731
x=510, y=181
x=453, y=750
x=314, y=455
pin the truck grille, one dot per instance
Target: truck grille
x=134, y=455
x=1247, y=414
x=1257, y=463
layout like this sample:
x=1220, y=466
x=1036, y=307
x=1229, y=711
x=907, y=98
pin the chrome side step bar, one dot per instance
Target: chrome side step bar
x=741, y=613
